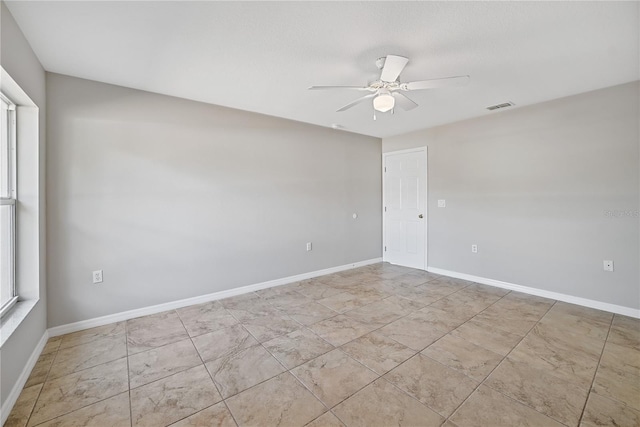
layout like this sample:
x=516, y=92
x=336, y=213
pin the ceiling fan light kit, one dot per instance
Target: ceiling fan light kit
x=387, y=91
x=384, y=101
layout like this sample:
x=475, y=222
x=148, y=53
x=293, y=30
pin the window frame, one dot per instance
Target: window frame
x=10, y=199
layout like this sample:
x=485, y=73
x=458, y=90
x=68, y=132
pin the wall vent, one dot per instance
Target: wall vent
x=498, y=106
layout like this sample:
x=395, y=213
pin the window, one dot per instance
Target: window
x=8, y=295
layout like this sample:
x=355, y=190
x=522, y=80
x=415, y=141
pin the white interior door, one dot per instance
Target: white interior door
x=405, y=203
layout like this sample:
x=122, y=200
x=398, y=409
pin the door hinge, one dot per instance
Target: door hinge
x=385, y=168
x=385, y=249
x=385, y=208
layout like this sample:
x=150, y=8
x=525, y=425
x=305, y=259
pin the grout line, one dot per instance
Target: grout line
x=126, y=347
x=207, y=370
x=595, y=373
x=43, y=382
x=500, y=363
x=351, y=283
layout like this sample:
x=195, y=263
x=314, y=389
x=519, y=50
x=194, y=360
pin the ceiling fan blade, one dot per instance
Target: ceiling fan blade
x=435, y=83
x=393, y=66
x=338, y=87
x=404, y=102
x=356, y=102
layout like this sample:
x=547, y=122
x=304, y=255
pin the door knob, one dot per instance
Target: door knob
x=420, y=216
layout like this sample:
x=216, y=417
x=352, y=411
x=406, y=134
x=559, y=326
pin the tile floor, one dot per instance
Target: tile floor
x=375, y=346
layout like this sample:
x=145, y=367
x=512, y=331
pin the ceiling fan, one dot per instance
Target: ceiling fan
x=387, y=91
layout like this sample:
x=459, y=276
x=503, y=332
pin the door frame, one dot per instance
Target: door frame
x=426, y=200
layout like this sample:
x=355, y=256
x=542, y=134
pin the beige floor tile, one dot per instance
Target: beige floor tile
x=344, y=301
x=405, y=304
x=96, y=352
x=223, y=342
x=538, y=389
x=508, y=318
x=417, y=294
x=326, y=420
x=486, y=407
x=377, y=352
x=573, y=358
x=580, y=311
x=460, y=306
x=173, y=398
x=203, y=318
x=369, y=293
x=88, y=335
x=619, y=385
x=217, y=415
x=568, y=339
x=440, y=319
x=160, y=362
x=281, y=401
x=145, y=333
x=73, y=391
x=438, y=291
x=623, y=358
x=309, y=313
x=472, y=360
x=412, y=331
x=289, y=298
x=450, y=283
x=264, y=328
x=577, y=324
x=625, y=322
x=625, y=331
x=244, y=301
x=440, y=388
x=334, y=376
x=486, y=290
x=246, y=368
x=625, y=337
x=390, y=313
x=373, y=290
x=112, y=412
x=298, y=347
x=601, y=411
x=496, y=340
x=384, y=311
x=382, y=404
x=274, y=291
x=341, y=329
x=52, y=345
x=260, y=309
x=41, y=369
x=21, y=411
x=530, y=301
x=318, y=291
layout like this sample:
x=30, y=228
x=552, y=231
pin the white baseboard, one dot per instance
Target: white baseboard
x=145, y=311
x=613, y=308
x=22, y=379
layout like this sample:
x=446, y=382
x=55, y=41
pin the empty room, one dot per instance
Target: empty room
x=319, y=214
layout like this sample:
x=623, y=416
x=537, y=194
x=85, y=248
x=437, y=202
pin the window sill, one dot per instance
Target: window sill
x=14, y=318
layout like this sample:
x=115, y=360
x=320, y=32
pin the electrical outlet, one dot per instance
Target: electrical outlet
x=309, y=247
x=607, y=265
x=97, y=276
x=442, y=203
x=474, y=249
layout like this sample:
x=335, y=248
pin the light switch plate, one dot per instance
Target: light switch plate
x=442, y=203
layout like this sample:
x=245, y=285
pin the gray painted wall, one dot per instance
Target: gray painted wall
x=531, y=187
x=20, y=62
x=175, y=199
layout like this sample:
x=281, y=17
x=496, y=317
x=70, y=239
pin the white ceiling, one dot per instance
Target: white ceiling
x=262, y=56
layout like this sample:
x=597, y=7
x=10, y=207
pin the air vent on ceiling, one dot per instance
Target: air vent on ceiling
x=498, y=106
